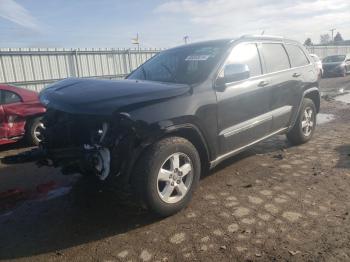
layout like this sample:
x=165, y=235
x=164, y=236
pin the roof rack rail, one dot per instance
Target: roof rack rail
x=263, y=36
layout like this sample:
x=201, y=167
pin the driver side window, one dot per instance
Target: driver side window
x=246, y=55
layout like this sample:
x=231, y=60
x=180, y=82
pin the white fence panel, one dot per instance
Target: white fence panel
x=323, y=51
x=34, y=68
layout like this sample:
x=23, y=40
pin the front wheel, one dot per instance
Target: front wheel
x=305, y=124
x=166, y=175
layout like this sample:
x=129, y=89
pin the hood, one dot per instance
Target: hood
x=104, y=97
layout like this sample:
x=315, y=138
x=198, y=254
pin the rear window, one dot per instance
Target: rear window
x=297, y=56
x=9, y=97
x=275, y=57
x=334, y=59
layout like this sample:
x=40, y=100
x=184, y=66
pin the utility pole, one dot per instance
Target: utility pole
x=136, y=41
x=332, y=30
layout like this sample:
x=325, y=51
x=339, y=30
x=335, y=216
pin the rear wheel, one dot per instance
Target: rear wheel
x=166, y=175
x=305, y=124
x=34, y=130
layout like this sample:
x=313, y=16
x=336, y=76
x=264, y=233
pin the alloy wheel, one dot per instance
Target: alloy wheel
x=307, y=123
x=175, y=178
x=38, y=131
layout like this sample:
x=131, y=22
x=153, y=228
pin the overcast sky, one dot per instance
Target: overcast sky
x=160, y=23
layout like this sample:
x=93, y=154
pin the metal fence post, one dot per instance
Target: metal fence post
x=76, y=63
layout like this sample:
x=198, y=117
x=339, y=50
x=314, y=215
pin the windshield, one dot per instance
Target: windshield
x=334, y=58
x=184, y=65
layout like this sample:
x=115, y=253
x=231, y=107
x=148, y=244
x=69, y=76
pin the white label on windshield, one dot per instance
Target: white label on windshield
x=197, y=57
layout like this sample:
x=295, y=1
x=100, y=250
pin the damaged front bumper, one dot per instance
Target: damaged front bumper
x=72, y=160
x=90, y=145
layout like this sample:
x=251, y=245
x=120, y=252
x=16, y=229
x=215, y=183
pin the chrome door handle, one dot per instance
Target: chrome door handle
x=263, y=83
x=296, y=74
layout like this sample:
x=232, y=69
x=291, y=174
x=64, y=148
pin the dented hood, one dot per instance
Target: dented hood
x=104, y=97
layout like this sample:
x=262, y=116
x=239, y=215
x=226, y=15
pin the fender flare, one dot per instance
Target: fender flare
x=192, y=127
x=305, y=93
x=165, y=131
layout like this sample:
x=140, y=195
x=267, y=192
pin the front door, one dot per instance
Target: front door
x=243, y=106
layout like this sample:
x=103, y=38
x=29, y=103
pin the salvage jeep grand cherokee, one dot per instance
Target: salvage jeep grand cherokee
x=183, y=111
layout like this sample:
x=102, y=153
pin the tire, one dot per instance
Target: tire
x=299, y=134
x=152, y=186
x=31, y=136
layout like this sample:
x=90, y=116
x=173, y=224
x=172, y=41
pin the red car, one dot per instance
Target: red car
x=20, y=115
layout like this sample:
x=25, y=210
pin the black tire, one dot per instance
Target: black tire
x=31, y=126
x=297, y=135
x=145, y=177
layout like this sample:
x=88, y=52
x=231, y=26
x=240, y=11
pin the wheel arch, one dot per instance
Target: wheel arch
x=311, y=93
x=314, y=95
x=188, y=131
x=30, y=118
x=193, y=134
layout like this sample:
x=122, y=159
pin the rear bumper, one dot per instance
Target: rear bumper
x=333, y=71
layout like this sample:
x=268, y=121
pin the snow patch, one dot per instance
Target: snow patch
x=343, y=98
x=324, y=118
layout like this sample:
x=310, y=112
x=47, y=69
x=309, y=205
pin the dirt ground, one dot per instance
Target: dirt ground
x=273, y=202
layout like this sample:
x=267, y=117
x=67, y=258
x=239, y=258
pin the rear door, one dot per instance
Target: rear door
x=284, y=83
x=243, y=105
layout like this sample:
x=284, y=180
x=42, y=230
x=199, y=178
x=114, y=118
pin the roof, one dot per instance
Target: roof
x=228, y=41
x=269, y=38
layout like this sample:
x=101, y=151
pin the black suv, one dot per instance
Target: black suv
x=179, y=114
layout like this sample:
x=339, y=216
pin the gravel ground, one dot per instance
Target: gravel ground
x=273, y=202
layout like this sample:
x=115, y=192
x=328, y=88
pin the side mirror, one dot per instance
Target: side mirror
x=232, y=73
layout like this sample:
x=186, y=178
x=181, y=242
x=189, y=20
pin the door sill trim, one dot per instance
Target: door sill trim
x=240, y=149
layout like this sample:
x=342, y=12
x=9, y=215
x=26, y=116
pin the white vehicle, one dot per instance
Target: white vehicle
x=318, y=62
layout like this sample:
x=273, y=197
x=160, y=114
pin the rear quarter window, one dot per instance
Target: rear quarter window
x=275, y=57
x=9, y=97
x=297, y=56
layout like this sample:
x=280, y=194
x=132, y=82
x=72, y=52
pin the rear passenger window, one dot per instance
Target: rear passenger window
x=275, y=57
x=9, y=97
x=246, y=54
x=297, y=56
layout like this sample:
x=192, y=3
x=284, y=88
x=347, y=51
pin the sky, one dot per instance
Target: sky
x=163, y=24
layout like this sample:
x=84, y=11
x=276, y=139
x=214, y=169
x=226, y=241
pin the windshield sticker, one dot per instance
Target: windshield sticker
x=197, y=57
